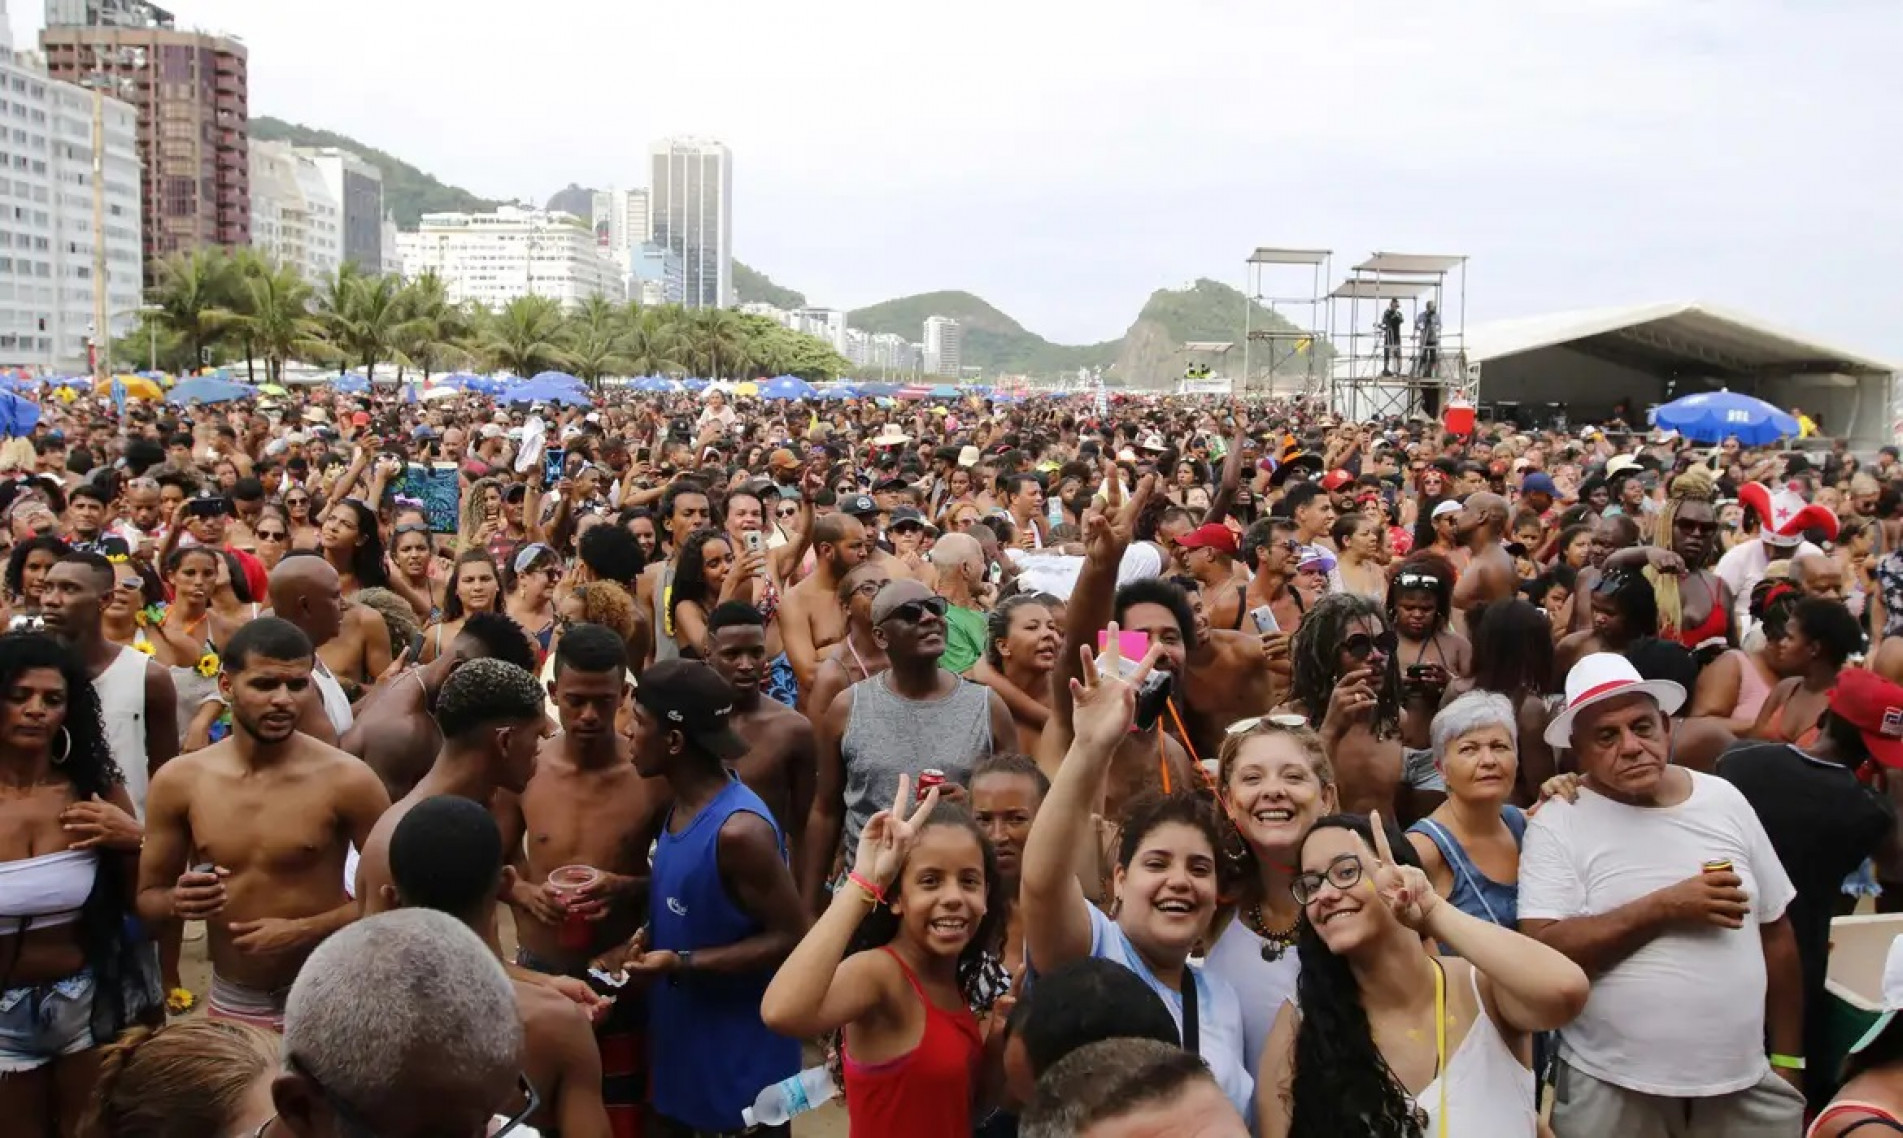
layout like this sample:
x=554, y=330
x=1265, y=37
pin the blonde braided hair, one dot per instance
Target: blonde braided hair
x=1696, y=484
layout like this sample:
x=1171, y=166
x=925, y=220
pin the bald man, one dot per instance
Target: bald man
x=1489, y=574
x=960, y=564
x=812, y=618
x=1818, y=575
x=353, y=643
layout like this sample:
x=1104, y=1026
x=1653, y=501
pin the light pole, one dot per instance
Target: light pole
x=152, y=312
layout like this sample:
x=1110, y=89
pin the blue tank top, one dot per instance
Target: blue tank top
x=705, y=1076
x=1476, y=894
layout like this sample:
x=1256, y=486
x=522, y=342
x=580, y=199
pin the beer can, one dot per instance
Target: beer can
x=1718, y=865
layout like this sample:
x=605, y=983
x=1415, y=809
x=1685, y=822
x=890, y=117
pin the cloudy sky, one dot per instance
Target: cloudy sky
x=1063, y=159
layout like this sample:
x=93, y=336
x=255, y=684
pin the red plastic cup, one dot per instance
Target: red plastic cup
x=566, y=882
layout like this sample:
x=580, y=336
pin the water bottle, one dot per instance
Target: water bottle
x=805, y=1091
x=1054, y=510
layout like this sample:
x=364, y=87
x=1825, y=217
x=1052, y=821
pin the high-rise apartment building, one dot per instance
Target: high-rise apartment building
x=295, y=218
x=691, y=206
x=494, y=258
x=942, y=341
x=191, y=93
x=621, y=225
x=357, y=188
x=47, y=239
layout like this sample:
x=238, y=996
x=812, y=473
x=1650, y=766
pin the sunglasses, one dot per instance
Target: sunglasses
x=411, y=527
x=297, y=501
x=272, y=535
x=1284, y=721
x=868, y=588
x=787, y=512
x=1418, y=581
x=1690, y=526
x=1361, y=645
x=1344, y=873
x=911, y=612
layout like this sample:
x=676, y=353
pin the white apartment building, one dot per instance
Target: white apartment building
x=942, y=341
x=46, y=216
x=494, y=258
x=691, y=215
x=356, y=187
x=295, y=219
x=892, y=352
x=828, y=324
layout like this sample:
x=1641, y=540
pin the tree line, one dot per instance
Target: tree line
x=217, y=307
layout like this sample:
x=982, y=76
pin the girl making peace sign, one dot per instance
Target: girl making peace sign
x=895, y=964
x=1390, y=1041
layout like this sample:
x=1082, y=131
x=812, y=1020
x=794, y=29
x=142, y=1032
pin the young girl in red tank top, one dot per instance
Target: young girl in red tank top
x=895, y=964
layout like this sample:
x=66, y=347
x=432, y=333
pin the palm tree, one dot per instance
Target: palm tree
x=191, y=292
x=718, y=341
x=434, y=330
x=594, y=335
x=273, y=318
x=525, y=337
x=362, y=316
x=652, y=345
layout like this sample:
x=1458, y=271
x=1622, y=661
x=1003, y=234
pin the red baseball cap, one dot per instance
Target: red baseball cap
x=1215, y=535
x=1336, y=479
x=1874, y=706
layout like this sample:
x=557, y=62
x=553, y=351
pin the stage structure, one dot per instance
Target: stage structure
x=1398, y=326
x=1206, y=369
x=1286, y=358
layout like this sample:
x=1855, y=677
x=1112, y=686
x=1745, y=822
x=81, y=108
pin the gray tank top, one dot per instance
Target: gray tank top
x=664, y=646
x=888, y=735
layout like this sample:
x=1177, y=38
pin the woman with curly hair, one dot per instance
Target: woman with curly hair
x=1022, y=640
x=1387, y=1040
x=896, y=964
x=1693, y=603
x=709, y=575
x=1345, y=676
x=1273, y=782
x=27, y=567
x=72, y=974
x=1163, y=887
x=597, y=602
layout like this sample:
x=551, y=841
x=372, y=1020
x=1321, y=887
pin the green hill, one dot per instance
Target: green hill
x=1148, y=354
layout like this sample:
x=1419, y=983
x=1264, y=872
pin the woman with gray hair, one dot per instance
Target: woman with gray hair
x=1470, y=845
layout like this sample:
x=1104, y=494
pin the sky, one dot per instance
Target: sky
x=1064, y=159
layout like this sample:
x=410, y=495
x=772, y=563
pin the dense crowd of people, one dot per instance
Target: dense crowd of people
x=667, y=765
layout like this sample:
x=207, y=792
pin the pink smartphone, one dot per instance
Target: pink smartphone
x=1132, y=646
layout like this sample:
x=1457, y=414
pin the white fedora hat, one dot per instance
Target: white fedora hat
x=1603, y=676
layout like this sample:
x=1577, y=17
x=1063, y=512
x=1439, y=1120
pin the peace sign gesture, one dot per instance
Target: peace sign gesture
x=889, y=835
x=1405, y=890
x=1103, y=702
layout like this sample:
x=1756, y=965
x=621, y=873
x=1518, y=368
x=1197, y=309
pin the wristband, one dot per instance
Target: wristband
x=873, y=891
x=1787, y=1062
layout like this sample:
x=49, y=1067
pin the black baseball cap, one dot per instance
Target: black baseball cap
x=690, y=697
x=906, y=515
x=858, y=505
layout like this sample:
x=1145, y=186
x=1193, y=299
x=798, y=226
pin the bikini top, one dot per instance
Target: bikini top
x=45, y=891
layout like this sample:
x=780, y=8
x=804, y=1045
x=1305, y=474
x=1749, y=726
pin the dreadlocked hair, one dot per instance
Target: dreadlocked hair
x=1696, y=484
x=1315, y=653
x=1341, y=1085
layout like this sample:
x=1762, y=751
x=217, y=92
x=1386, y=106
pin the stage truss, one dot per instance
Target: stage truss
x=1286, y=358
x=1374, y=378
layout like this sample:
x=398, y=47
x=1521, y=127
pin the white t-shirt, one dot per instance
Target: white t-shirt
x=1218, y=1011
x=1682, y=1017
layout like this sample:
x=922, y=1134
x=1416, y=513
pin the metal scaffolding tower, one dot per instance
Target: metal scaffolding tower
x=1398, y=326
x=1287, y=356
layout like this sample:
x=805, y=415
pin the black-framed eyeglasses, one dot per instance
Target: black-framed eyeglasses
x=911, y=612
x=355, y=1121
x=1361, y=645
x=1344, y=873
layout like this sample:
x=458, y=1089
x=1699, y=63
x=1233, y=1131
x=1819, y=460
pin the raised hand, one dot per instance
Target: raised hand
x=890, y=834
x=1103, y=702
x=1405, y=890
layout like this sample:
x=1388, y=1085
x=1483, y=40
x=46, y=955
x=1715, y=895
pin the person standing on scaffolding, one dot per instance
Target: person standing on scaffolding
x=1427, y=342
x=1391, y=322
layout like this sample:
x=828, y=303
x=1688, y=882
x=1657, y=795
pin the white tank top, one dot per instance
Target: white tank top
x=121, y=689
x=1489, y=1091
x=1263, y=985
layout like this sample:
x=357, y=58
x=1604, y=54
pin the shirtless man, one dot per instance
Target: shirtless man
x=811, y=615
x=858, y=654
x=394, y=730
x=584, y=806
x=492, y=726
x=447, y=856
x=1488, y=575
x=1227, y=676
x=1609, y=535
x=1268, y=549
x=778, y=765
x=250, y=834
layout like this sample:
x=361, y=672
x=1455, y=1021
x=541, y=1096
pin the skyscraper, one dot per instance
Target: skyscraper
x=621, y=225
x=47, y=237
x=691, y=199
x=942, y=341
x=191, y=90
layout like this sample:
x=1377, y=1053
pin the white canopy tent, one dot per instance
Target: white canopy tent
x=1588, y=360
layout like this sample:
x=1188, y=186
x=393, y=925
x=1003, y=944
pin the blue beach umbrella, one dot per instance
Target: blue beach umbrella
x=1711, y=416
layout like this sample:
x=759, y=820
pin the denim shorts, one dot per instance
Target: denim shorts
x=41, y=1022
